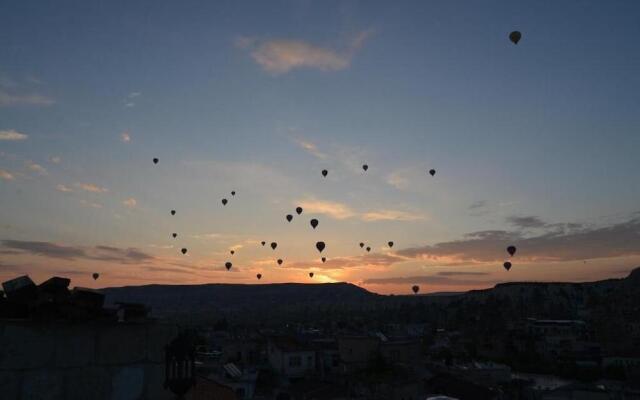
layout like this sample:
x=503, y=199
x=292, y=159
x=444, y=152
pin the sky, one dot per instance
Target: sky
x=534, y=145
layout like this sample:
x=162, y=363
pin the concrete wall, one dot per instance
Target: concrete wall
x=57, y=360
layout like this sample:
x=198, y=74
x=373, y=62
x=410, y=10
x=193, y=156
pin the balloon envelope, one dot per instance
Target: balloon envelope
x=274, y=245
x=263, y=243
x=361, y=245
x=324, y=172
x=155, y=160
x=368, y=248
x=174, y=235
x=432, y=172
x=365, y=167
x=415, y=288
x=515, y=37
x=279, y=261
x=390, y=244
x=320, y=246
x=289, y=217
x=299, y=210
x=233, y=192
x=511, y=250
x=324, y=259
x=314, y=223
x=184, y=250
x=228, y=265
x=232, y=252
x=173, y=212
x=95, y=275
x=259, y=276
x=310, y=274
x=507, y=265
x=224, y=202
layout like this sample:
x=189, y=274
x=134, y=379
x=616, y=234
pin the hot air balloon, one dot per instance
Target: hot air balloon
x=174, y=235
x=299, y=210
x=324, y=173
x=310, y=274
x=361, y=245
x=228, y=265
x=232, y=252
x=515, y=37
x=507, y=265
x=259, y=276
x=279, y=261
x=432, y=172
x=224, y=202
x=274, y=245
x=320, y=246
x=368, y=249
x=155, y=160
x=173, y=212
x=415, y=289
x=95, y=276
x=511, y=250
x=365, y=167
x=390, y=244
x=323, y=259
x=263, y=243
x=184, y=250
x=314, y=223
x=289, y=217
x=233, y=192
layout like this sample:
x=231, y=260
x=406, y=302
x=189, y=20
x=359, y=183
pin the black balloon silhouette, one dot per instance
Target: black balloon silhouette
x=365, y=167
x=259, y=276
x=310, y=274
x=274, y=245
x=320, y=246
x=232, y=252
x=507, y=265
x=324, y=259
x=515, y=37
x=173, y=212
x=368, y=248
x=390, y=244
x=95, y=275
x=324, y=172
x=279, y=261
x=263, y=243
x=184, y=250
x=233, y=192
x=175, y=235
x=415, y=289
x=511, y=250
x=314, y=223
x=224, y=202
x=361, y=245
x=299, y=210
x=155, y=160
x=289, y=217
x=432, y=172
x=228, y=265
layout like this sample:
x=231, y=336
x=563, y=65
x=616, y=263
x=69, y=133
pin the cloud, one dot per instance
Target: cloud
x=478, y=204
x=37, y=168
x=333, y=209
x=366, y=260
x=6, y=175
x=462, y=273
x=559, y=242
x=130, y=202
x=309, y=147
x=62, y=188
x=398, y=181
x=526, y=222
x=90, y=204
x=13, y=99
x=70, y=253
x=89, y=187
x=12, y=134
x=125, y=137
x=391, y=215
x=55, y=159
x=133, y=95
x=429, y=280
x=279, y=56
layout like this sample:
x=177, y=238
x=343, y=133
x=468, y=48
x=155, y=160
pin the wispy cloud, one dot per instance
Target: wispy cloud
x=125, y=137
x=14, y=99
x=442, y=280
x=397, y=180
x=558, y=242
x=37, y=168
x=279, y=56
x=90, y=187
x=130, y=202
x=13, y=135
x=333, y=209
x=63, y=188
x=526, y=222
x=55, y=159
x=6, y=175
x=391, y=215
x=90, y=204
x=97, y=253
x=309, y=147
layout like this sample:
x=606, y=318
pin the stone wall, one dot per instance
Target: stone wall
x=62, y=360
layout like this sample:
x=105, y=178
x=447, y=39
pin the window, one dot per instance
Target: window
x=295, y=361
